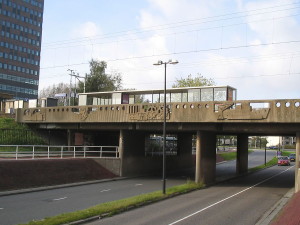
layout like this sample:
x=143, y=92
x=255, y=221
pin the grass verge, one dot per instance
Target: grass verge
x=272, y=162
x=114, y=207
x=227, y=156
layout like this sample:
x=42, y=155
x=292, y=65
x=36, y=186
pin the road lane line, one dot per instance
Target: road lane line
x=1, y=208
x=138, y=184
x=105, y=190
x=58, y=199
x=240, y=192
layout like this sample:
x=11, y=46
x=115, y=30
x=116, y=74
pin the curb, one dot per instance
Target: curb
x=271, y=213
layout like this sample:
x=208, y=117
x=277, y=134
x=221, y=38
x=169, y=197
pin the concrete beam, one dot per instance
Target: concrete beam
x=205, y=157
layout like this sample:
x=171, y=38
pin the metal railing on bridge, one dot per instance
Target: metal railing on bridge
x=56, y=152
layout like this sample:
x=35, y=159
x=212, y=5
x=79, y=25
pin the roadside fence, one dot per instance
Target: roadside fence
x=56, y=152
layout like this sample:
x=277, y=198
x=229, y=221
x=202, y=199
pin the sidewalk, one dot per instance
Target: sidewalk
x=290, y=213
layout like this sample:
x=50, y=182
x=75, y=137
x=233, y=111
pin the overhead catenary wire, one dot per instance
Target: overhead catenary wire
x=169, y=32
x=179, y=53
x=156, y=27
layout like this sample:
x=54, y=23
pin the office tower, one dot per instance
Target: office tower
x=20, y=47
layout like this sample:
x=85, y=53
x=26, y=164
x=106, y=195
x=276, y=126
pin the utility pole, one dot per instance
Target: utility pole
x=71, y=74
x=76, y=76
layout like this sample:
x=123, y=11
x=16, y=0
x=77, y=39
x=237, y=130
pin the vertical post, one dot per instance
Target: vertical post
x=74, y=152
x=164, y=124
x=84, y=83
x=265, y=154
x=164, y=132
x=33, y=152
x=48, y=152
x=121, y=150
x=198, y=177
x=297, y=187
x=17, y=149
x=70, y=92
x=61, y=152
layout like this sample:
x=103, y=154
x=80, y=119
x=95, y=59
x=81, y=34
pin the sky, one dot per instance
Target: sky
x=253, y=46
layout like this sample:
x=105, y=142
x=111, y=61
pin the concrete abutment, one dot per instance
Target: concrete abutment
x=205, y=157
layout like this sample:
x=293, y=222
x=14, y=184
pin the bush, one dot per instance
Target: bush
x=289, y=147
x=12, y=133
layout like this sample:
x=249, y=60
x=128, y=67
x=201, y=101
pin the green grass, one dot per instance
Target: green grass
x=29, y=149
x=114, y=207
x=118, y=206
x=286, y=153
x=227, y=156
x=272, y=162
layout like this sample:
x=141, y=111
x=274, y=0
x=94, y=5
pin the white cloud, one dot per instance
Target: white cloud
x=87, y=30
x=166, y=33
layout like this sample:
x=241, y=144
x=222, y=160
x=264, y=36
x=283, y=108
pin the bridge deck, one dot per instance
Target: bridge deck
x=258, y=111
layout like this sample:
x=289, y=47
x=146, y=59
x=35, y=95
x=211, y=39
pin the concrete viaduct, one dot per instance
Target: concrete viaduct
x=127, y=125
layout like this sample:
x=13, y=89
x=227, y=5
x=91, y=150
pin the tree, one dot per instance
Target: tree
x=197, y=81
x=97, y=80
x=258, y=141
x=50, y=91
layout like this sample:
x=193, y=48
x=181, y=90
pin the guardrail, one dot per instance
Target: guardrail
x=57, y=152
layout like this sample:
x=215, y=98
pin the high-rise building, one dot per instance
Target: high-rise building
x=20, y=47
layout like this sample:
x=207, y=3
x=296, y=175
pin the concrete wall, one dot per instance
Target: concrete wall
x=111, y=164
x=134, y=161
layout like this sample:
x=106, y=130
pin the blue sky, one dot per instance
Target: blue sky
x=250, y=45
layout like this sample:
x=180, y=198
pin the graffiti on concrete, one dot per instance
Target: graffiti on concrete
x=149, y=113
x=241, y=112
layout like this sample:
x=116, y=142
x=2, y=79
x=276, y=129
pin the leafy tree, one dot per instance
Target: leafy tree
x=197, y=81
x=97, y=80
x=258, y=142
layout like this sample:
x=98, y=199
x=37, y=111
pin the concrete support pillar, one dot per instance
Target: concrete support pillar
x=205, y=157
x=70, y=139
x=121, y=151
x=132, y=153
x=297, y=172
x=242, y=154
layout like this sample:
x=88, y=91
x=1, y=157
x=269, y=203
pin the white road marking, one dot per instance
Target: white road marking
x=58, y=199
x=105, y=190
x=216, y=203
x=1, y=208
x=138, y=184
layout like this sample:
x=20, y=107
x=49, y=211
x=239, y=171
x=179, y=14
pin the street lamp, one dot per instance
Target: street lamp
x=158, y=63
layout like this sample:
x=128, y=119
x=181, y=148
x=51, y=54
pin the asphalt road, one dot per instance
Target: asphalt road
x=22, y=208
x=256, y=158
x=243, y=200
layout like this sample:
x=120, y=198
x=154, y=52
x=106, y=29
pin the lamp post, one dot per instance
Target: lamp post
x=158, y=63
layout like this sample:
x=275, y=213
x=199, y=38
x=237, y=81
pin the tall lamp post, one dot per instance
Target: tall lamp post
x=158, y=63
